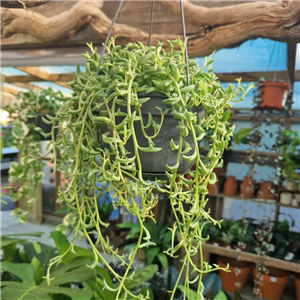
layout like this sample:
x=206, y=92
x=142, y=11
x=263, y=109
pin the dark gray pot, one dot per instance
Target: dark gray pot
x=154, y=164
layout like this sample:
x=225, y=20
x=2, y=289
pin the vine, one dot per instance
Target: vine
x=102, y=118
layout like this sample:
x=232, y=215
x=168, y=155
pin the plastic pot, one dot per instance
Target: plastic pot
x=272, y=284
x=155, y=163
x=38, y=122
x=273, y=94
x=236, y=278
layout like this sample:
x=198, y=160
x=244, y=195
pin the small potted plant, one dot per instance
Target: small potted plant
x=271, y=94
x=28, y=115
x=112, y=139
x=289, y=150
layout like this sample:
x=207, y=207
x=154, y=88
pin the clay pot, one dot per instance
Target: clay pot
x=265, y=191
x=297, y=285
x=273, y=94
x=273, y=283
x=213, y=189
x=230, y=186
x=247, y=187
x=235, y=280
x=286, y=198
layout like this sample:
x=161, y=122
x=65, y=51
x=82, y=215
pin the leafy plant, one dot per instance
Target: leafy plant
x=7, y=136
x=247, y=136
x=289, y=148
x=26, y=174
x=161, y=236
x=103, y=115
x=24, y=266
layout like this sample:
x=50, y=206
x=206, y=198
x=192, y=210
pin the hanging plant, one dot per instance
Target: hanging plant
x=113, y=140
x=28, y=114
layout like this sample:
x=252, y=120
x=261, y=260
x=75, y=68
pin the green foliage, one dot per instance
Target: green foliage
x=26, y=174
x=101, y=117
x=241, y=136
x=289, y=150
x=7, y=136
x=161, y=236
x=24, y=266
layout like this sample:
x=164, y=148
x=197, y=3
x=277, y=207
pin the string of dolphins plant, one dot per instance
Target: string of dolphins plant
x=26, y=174
x=101, y=117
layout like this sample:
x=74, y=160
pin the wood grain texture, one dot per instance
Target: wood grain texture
x=208, y=28
x=21, y=4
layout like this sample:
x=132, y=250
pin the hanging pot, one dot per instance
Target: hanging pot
x=272, y=284
x=230, y=186
x=236, y=278
x=38, y=122
x=154, y=163
x=247, y=187
x=273, y=94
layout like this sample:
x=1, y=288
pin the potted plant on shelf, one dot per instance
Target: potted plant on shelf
x=289, y=150
x=115, y=140
x=29, y=117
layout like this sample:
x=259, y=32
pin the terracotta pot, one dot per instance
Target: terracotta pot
x=266, y=191
x=273, y=94
x=273, y=283
x=230, y=186
x=297, y=285
x=247, y=187
x=213, y=189
x=235, y=280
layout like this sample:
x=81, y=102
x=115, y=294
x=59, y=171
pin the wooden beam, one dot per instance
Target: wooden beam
x=8, y=89
x=223, y=77
x=209, y=29
x=22, y=4
x=255, y=76
x=37, y=72
x=44, y=75
x=28, y=86
x=20, y=78
x=291, y=60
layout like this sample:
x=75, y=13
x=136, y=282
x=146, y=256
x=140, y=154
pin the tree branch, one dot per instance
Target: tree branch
x=22, y=4
x=218, y=27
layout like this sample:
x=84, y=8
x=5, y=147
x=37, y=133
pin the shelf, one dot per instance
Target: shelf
x=263, y=201
x=251, y=257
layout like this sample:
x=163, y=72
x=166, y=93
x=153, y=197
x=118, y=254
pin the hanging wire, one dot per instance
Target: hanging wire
x=271, y=56
x=108, y=35
x=184, y=38
x=277, y=62
x=285, y=54
x=151, y=22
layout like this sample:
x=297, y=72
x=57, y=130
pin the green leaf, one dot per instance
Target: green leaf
x=192, y=295
x=24, y=271
x=75, y=271
x=162, y=257
x=151, y=253
x=222, y=296
x=141, y=275
x=20, y=130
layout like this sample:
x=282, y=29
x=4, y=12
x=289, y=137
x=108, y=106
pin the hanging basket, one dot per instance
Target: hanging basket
x=273, y=94
x=38, y=122
x=154, y=163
